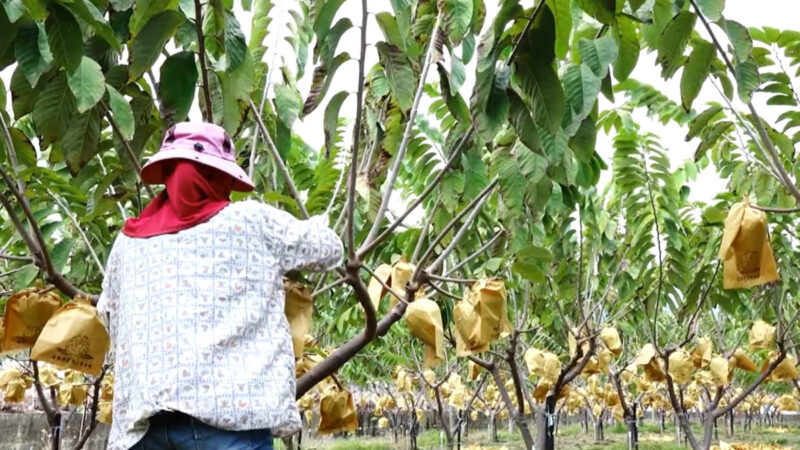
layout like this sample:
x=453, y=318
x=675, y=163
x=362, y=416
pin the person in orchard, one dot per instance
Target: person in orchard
x=194, y=299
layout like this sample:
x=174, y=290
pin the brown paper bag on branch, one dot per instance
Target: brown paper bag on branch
x=74, y=338
x=26, y=314
x=337, y=411
x=298, y=309
x=424, y=319
x=745, y=250
x=375, y=288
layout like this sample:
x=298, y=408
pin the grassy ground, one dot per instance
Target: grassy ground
x=569, y=437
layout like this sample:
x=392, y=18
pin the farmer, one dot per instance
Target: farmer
x=194, y=297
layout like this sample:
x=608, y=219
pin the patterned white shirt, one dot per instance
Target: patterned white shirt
x=197, y=321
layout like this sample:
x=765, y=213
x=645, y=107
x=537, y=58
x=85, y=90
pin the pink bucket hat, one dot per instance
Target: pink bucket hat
x=205, y=143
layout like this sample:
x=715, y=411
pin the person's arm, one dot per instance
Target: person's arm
x=308, y=245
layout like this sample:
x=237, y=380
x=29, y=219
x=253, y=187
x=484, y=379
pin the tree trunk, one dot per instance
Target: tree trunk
x=709, y=424
x=493, y=421
x=546, y=438
x=731, y=418
x=662, y=423
x=633, y=430
x=598, y=430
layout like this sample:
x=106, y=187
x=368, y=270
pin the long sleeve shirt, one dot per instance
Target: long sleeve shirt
x=197, y=322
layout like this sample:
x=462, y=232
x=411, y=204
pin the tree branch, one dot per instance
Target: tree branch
x=367, y=246
x=278, y=160
x=208, y=114
x=126, y=146
x=401, y=151
x=762, y=132
x=351, y=182
x=475, y=202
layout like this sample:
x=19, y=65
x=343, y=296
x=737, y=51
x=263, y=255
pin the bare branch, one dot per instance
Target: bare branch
x=208, y=114
x=276, y=156
x=401, y=150
x=126, y=146
x=370, y=245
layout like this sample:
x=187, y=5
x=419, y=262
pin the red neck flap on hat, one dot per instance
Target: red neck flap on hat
x=193, y=195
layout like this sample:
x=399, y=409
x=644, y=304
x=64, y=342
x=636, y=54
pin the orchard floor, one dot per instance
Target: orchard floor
x=570, y=437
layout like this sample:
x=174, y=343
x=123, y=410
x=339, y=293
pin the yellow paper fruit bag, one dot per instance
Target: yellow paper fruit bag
x=424, y=319
x=467, y=333
x=742, y=360
x=337, y=413
x=786, y=370
x=375, y=289
x=762, y=335
x=26, y=314
x=745, y=249
x=401, y=274
x=720, y=372
x=787, y=403
x=298, y=310
x=610, y=338
x=74, y=338
x=489, y=299
x=104, y=414
x=680, y=366
x=701, y=355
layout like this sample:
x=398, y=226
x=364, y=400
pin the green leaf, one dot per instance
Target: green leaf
x=563, y=23
x=598, y=54
x=87, y=84
x=325, y=12
x=287, y=104
x=628, y=44
x=23, y=96
x=145, y=10
x=89, y=13
x=80, y=140
x=401, y=76
x=28, y=52
x=581, y=87
x=331, y=119
x=538, y=80
x=321, y=81
x=54, y=107
x=695, y=72
x=747, y=78
x=529, y=263
x=123, y=114
x=520, y=119
x=235, y=44
x=457, y=16
x=713, y=215
x=673, y=42
x=36, y=8
x=455, y=103
x=147, y=45
x=236, y=87
x=259, y=27
x=60, y=253
x=740, y=39
x=176, y=86
x=451, y=189
x=325, y=50
x=584, y=141
x=602, y=10
x=712, y=9
x=64, y=36
x=701, y=121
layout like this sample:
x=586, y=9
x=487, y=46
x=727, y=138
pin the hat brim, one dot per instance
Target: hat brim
x=153, y=171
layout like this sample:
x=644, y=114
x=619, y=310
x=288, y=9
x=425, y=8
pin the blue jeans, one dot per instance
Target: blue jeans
x=177, y=431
